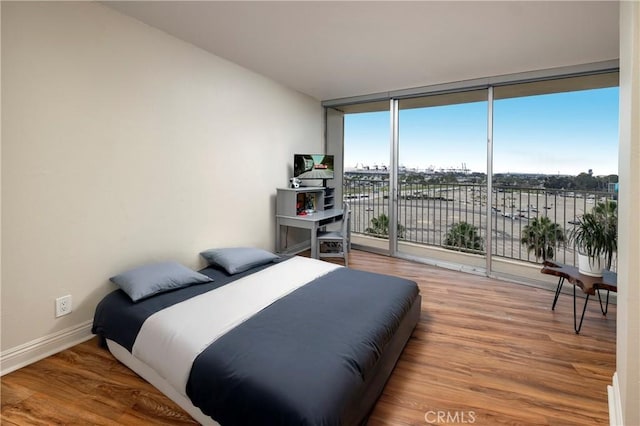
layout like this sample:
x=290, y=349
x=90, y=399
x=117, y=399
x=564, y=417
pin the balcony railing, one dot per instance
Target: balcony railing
x=426, y=213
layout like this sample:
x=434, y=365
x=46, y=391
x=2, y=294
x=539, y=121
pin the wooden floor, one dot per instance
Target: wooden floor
x=485, y=352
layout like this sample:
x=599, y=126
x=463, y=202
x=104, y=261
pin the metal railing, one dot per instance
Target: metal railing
x=427, y=212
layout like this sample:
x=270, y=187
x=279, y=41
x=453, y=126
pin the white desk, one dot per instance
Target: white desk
x=312, y=222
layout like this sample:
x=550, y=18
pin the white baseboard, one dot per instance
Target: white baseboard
x=615, y=406
x=35, y=350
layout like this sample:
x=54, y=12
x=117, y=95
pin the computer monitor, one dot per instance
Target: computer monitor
x=313, y=166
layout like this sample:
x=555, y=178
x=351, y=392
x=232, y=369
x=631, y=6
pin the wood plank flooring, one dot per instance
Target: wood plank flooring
x=485, y=352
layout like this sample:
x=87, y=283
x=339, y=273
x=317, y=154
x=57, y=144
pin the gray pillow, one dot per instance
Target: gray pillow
x=155, y=278
x=238, y=259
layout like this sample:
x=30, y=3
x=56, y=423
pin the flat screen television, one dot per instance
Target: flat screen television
x=313, y=166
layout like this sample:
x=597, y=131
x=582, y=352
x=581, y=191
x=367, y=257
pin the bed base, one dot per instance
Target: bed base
x=373, y=387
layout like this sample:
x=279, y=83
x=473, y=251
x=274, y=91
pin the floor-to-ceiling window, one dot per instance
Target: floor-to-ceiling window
x=442, y=173
x=555, y=157
x=419, y=164
x=366, y=171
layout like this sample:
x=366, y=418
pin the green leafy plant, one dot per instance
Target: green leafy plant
x=463, y=236
x=596, y=233
x=380, y=227
x=542, y=236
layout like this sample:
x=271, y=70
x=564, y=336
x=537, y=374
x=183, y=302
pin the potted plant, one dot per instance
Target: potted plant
x=595, y=236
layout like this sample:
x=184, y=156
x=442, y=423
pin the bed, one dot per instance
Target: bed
x=290, y=341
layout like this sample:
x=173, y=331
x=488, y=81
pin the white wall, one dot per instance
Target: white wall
x=628, y=313
x=123, y=145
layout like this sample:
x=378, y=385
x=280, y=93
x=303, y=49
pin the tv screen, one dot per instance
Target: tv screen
x=313, y=166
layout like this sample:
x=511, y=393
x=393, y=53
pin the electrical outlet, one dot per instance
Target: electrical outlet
x=63, y=305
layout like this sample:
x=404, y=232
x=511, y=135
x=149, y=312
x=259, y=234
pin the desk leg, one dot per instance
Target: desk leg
x=349, y=232
x=314, y=241
x=558, y=288
x=579, y=326
x=606, y=308
x=278, y=232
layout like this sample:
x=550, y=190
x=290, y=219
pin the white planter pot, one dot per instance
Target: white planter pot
x=592, y=267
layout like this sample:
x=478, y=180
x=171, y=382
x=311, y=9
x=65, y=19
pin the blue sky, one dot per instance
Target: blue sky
x=562, y=133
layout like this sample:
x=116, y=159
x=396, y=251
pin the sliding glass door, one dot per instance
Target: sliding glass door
x=367, y=161
x=442, y=169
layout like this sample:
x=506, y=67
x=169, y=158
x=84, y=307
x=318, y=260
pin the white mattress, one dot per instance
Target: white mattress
x=149, y=374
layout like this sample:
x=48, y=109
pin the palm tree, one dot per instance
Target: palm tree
x=607, y=210
x=541, y=236
x=464, y=236
x=380, y=227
